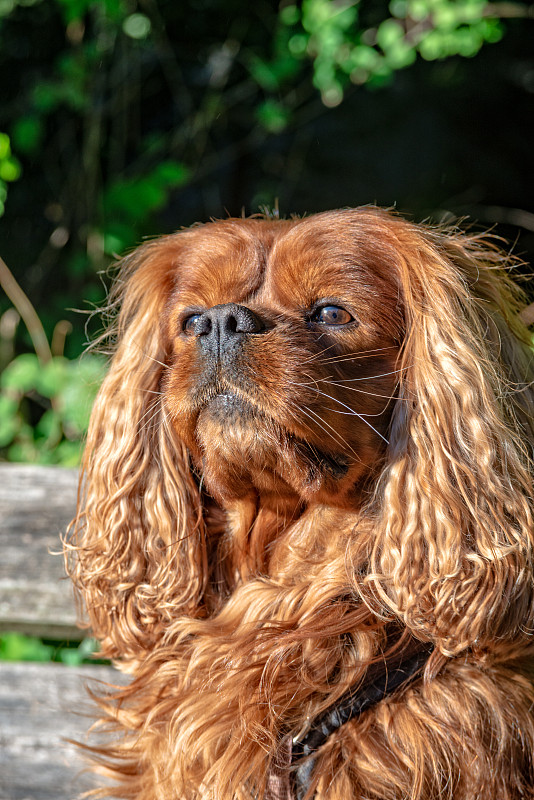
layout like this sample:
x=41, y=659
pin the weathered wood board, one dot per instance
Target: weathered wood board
x=36, y=505
x=41, y=706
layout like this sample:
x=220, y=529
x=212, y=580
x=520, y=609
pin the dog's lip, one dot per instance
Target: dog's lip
x=226, y=399
x=227, y=403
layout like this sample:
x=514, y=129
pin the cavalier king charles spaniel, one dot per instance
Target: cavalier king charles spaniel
x=305, y=525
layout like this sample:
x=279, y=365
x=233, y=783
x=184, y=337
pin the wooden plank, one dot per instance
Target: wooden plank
x=36, y=505
x=41, y=705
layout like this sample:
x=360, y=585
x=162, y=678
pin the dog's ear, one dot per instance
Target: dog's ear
x=453, y=554
x=136, y=548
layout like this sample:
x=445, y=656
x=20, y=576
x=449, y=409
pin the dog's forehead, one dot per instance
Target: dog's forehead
x=318, y=258
x=287, y=261
x=224, y=261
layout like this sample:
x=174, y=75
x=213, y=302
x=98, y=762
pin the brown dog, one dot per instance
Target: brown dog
x=307, y=518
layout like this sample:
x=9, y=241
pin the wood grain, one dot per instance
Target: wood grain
x=42, y=706
x=36, y=505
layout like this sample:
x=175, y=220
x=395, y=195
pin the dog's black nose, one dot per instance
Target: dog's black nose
x=223, y=328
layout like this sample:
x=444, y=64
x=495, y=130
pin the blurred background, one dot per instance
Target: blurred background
x=122, y=119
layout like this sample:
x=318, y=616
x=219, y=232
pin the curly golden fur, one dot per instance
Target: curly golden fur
x=315, y=435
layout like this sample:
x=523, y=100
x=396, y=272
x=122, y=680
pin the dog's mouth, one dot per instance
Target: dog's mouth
x=234, y=418
x=226, y=406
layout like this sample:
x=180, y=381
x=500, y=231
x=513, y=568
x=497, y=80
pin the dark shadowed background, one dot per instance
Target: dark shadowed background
x=123, y=119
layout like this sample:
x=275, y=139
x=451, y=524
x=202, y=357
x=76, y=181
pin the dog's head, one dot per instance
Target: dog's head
x=267, y=370
x=281, y=342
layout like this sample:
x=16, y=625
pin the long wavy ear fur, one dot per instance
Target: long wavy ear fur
x=136, y=547
x=453, y=548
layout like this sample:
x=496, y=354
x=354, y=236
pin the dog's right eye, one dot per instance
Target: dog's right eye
x=331, y=315
x=188, y=325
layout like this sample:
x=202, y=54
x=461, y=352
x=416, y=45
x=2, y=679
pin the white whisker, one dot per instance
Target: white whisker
x=372, y=377
x=152, y=409
x=356, y=356
x=321, y=423
x=387, y=397
x=350, y=412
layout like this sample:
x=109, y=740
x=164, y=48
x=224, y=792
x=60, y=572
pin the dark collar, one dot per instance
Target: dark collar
x=381, y=680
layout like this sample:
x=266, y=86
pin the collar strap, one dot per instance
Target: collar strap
x=381, y=681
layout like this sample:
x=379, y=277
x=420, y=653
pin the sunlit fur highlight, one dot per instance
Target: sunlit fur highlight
x=239, y=622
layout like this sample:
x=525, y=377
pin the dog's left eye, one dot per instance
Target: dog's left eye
x=331, y=315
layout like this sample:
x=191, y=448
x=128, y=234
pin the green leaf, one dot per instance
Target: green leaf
x=263, y=73
x=46, y=97
x=289, y=15
x=74, y=656
x=67, y=453
x=399, y=8
x=298, y=44
x=84, y=377
x=10, y=169
x=418, y=10
x=114, y=9
x=433, y=46
x=400, y=55
x=389, y=33
x=69, y=656
x=446, y=17
x=491, y=30
x=52, y=377
x=272, y=116
x=118, y=237
x=22, y=374
x=171, y=173
x=6, y=7
x=130, y=201
x=136, y=26
x=27, y=134
x=48, y=428
x=9, y=421
x=23, y=448
x=16, y=647
x=5, y=146
x=365, y=57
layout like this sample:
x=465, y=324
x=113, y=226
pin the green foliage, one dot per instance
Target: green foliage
x=9, y=168
x=18, y=647
x=343, y=51
x=44, y=410
x=128, y=202
x=106, y=40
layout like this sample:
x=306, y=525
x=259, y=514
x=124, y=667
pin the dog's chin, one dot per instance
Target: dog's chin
x=240, y=449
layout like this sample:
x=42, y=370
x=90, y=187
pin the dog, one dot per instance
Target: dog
x=306, y=515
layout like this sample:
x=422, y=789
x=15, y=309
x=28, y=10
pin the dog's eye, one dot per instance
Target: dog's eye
x=188, y=325
x=331, y=315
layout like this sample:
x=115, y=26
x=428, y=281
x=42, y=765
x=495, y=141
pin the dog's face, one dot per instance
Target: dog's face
x=283, y=340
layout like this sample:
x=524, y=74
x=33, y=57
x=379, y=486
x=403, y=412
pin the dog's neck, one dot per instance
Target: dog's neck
x=251, y=537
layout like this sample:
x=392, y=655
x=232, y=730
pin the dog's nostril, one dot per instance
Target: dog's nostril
x=243, y=320
x=231, y=324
